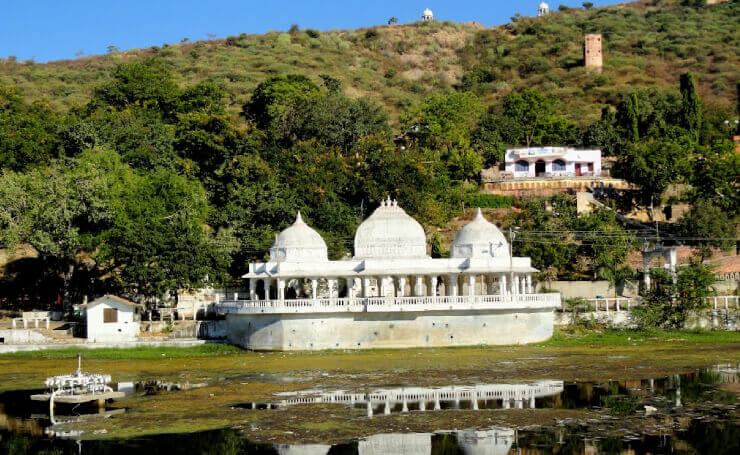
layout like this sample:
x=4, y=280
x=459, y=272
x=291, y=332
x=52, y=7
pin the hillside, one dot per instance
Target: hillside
x=644, y=45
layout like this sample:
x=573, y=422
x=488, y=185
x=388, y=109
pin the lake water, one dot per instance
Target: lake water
x=697, y=415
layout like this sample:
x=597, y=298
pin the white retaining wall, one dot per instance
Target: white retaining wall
x=378, y=329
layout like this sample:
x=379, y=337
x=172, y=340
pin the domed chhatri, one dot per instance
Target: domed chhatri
x=390, y=293
x=390, y=233
x=299, y=243
x=427, y=15
x=480, y=239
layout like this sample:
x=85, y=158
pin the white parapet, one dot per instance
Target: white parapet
x=392, y=304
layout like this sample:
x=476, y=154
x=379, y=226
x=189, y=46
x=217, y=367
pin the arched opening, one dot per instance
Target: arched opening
x=539, y=168
x=522, y=166
x=558, y=165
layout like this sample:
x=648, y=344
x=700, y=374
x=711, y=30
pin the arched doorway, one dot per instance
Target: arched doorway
x=539, y=168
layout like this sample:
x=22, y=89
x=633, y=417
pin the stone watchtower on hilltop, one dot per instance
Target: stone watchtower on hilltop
x=592, y=55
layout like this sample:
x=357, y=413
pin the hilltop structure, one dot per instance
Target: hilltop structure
x=543, y=9
x=427, y=15
x=391, y=293
x=592, y=55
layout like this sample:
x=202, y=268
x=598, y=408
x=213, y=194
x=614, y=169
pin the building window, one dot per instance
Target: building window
x=558, y=165
x=110, y=315
x=522, y=166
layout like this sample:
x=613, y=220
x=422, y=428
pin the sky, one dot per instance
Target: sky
x=45, y=30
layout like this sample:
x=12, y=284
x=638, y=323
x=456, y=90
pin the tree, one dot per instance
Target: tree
x=339, y=121
x=444, y=124
x=710, y=225
x=652, y=165
x=714, y=176
x=668, y=304
x=604, y=134
x=146, y=84
x=588, y=5
x=628, y=117
x=691, y=116
x=393, y=20
x=273, y=103
x=27, y=132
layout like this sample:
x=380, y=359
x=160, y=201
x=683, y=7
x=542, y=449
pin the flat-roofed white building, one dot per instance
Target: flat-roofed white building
x=546, y=162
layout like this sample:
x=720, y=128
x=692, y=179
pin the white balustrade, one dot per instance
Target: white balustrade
x=384, y=304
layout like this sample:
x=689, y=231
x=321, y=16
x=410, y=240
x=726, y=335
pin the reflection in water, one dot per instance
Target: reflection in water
x=700, y=438
x=405, y=399
x=24, y=430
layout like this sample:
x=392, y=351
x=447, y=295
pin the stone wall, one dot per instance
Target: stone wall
x=389, y=329
x=706, y=320
x=21, y=336
x=588, y=289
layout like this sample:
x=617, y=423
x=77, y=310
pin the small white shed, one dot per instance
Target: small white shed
x=111, y=319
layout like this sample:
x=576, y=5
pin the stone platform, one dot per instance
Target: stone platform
x=390, y=322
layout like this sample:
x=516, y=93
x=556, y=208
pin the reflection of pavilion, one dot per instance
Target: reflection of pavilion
x=405, y=399
x=493, y=441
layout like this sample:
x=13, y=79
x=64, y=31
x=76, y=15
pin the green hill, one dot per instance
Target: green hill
x=645, y=44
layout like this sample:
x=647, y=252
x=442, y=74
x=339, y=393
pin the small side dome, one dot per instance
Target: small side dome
x=299, y=243
x=480, y=239
x=390, y=233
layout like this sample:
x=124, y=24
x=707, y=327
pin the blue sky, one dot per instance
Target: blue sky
x=46, y=30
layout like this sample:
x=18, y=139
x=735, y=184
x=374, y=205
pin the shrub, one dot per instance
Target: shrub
x=489, y=201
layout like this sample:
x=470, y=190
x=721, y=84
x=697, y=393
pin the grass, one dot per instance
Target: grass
x=139, y=353
x=617, y=337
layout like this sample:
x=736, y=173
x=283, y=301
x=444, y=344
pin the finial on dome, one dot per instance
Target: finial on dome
x=395, y=203
x=478, y=214
x=299, y=218
x=382, y=203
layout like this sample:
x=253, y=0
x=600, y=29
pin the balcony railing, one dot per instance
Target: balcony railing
x=390, y=304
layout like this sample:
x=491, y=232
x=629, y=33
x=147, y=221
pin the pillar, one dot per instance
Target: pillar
x=453, y=285
x=381, y=286
x=523, y=286
x=266, y=283
x=471, y=285
x=423, y=405
x=387, y=408
x=419, y=286
x=314, y=287
x=331, y=282
x=433, y=286
x=369, y=409
x=252, y=289
x=502, y=285
x=529, y=284
x=401, y=286
x=515, y=285
x=350, y=288
x=366, y=287
x=280, y=289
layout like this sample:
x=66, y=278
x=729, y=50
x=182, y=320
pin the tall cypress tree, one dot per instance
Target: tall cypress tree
x=690, y=106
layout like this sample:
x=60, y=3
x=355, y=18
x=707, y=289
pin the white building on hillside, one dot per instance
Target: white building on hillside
x=427, y=15
x=552, y=162
x=111, y=319
x=543, y=9
x=302, y=300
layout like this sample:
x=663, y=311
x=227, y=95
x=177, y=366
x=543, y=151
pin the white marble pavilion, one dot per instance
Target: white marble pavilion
x=390, y=273
x=390, y=261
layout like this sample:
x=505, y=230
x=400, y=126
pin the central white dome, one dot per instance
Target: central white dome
x=390, y=233
x=480, y=239
x=299, y=243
